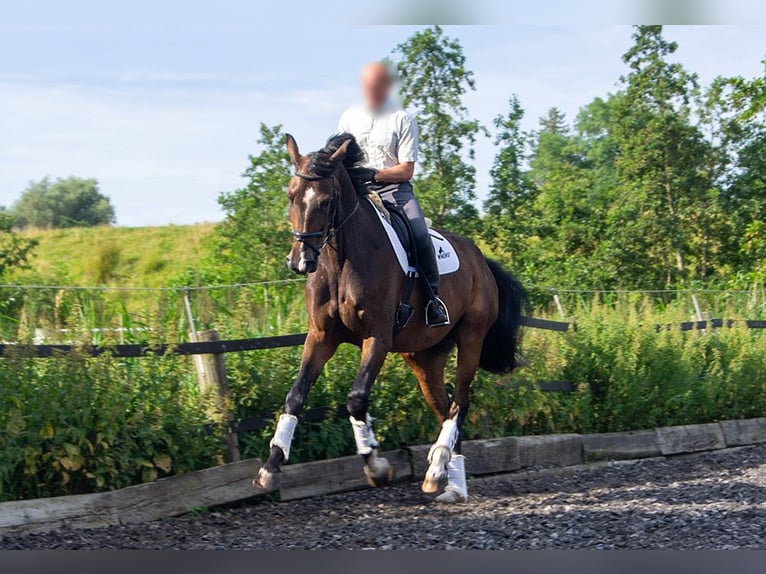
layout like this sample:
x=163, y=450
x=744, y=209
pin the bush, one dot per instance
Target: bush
x=106, y=263
x=74, y=424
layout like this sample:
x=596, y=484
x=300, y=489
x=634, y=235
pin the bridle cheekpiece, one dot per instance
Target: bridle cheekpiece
x=331, y=231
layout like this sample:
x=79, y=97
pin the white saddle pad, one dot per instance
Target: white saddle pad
x=446, y=256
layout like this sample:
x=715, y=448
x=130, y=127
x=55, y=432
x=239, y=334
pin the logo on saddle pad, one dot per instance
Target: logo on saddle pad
x=441, y=254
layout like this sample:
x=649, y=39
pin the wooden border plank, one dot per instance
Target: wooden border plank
x=690, y=438
x=620, y=445
x=744, y=432
x=336, y=475
x=550, y=450
x=491, y=456
x=141, y=503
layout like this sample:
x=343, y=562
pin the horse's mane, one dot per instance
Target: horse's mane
x=321, y=164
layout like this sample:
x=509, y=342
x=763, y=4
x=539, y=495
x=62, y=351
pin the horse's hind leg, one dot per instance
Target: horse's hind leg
x=428, y=367
x=469, y=352
x=377, y=469
x=318, y=349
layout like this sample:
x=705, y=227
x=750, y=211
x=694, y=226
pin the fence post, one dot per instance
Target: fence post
x=697, y=308
x=559, y=306
x=211, y=374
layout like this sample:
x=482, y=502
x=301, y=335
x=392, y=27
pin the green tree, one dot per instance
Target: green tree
x=69, y=202
x=568, y=212
x=15, y=249
x=511, y=193
x=253, y=239
x=661, y=166
x=434, y=79
x=745, y=184
x=750, y=94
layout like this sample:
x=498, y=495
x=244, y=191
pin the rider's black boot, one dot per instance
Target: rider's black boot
x=436, y=311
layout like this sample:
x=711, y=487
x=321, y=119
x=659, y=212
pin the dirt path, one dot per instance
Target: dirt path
x=713, y=500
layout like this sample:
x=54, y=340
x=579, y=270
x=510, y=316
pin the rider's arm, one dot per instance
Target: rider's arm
x=407, y=151
x=399, y=172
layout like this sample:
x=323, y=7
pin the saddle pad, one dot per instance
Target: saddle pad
x=446, y=256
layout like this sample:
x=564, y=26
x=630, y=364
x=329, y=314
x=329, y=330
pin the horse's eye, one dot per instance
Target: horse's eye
x=324, y=204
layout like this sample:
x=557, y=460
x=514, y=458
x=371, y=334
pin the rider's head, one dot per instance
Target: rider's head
x=376, y=81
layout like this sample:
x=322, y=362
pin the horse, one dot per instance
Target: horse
x=352, y=293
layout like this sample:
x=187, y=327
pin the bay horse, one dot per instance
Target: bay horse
x=353, y=290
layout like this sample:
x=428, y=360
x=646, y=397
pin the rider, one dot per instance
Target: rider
x=389, y=137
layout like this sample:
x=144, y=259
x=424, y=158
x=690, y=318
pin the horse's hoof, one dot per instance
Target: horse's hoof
x=434, y=481
x=451, y=497
x=266, y=480
x=436, y=475
x=379, y=473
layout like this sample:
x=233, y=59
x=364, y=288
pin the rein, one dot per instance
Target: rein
x=331, y=231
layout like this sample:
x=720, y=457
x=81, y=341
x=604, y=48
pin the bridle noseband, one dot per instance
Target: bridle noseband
x=331, y=231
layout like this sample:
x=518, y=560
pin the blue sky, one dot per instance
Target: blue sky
x=163, y=106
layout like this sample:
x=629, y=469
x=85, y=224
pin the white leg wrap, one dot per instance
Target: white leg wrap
x=456, y=476
x=283, y=436
x=364, y=435
x=447, y=437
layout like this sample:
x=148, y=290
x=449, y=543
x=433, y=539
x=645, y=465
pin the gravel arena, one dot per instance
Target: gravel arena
x=715, y=500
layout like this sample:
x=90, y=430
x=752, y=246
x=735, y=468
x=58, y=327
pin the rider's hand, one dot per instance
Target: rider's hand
x=364, y=174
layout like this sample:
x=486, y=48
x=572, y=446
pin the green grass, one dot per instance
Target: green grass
x=115, y=256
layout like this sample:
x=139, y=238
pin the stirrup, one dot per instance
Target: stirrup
x=437, y=301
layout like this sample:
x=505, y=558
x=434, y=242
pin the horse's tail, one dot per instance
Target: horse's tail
x=499, y=354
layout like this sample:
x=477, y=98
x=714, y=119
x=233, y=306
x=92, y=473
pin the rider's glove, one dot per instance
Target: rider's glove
x=364, y=174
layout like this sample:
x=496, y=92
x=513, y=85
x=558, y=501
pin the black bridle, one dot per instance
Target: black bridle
x=331, y=231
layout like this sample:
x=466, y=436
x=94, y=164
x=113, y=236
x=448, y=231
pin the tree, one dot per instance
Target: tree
x=434, y=79
x=745, y=185
x=511, y=193
x=252, y=241
x=70, y=202
x=15, y=250
x=567, y=209
x=661, y=163
x=751, y=93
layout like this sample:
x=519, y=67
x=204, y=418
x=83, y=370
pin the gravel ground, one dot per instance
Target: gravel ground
x=712, y=500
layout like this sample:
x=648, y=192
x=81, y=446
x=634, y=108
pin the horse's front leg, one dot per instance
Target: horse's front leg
x=377, y=469
x=317, y=350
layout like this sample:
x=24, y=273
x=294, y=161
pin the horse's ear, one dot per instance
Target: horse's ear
x=340, y=153
x=292, y=150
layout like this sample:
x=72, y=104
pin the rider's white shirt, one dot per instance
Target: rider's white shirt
x=388, y=136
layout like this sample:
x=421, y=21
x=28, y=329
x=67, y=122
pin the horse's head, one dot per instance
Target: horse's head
x=313, y=202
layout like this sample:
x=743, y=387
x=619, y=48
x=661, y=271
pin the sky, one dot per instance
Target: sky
x=163, y=106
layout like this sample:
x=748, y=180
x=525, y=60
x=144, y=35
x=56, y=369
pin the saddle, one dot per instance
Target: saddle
x=396, y=226
x=400, y=236
x=403, y=230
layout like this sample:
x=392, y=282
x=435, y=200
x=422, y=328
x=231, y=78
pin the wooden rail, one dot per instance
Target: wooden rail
x=280, y=341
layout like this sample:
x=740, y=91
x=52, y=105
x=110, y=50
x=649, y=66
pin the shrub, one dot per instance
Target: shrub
x=75, y=424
